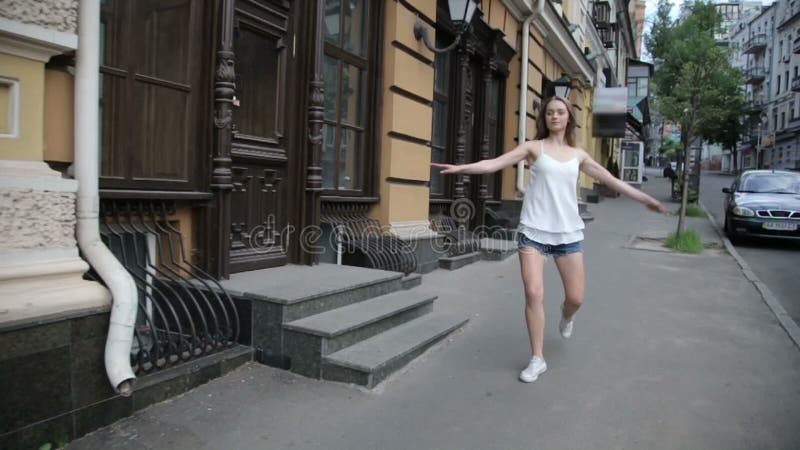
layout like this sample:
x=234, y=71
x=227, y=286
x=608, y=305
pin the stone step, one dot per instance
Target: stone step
x=371, y=361
x=583, y=210
x=292, y=292
x=457, y=262
x=307, y=340
x=411, y=280
x=497, y=249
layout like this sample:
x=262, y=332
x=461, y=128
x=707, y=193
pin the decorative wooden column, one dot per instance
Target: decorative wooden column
x=483, y=188
x=221, y=177
x=316, y=115
x=465, y=77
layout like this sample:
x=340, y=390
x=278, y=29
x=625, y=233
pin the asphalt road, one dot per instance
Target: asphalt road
x=776, y=262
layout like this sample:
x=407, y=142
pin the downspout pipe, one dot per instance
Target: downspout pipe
x=118, y=280
x=523, y=91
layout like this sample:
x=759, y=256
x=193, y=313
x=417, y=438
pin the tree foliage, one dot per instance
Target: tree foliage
x=669, y=148
x=695, y=84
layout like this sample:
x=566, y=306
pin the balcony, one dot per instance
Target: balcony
x=755, y=75
x=601, y=14
x=756, y=44
x=796, y=45
x=754, y=105
x=796, y=84
x=607, y=36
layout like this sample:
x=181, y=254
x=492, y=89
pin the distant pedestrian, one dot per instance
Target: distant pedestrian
x=669, y=172
x=549, y=222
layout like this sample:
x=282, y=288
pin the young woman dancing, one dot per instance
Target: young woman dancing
x=550, y=224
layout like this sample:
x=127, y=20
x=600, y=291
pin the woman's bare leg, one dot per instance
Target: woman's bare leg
x=532, y=267
x=572, y=275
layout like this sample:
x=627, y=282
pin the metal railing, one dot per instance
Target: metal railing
x=359, y=235
x=456, y=238
x=755, y=75
x=601, y=13
x=796, y=84
x=183, y=311
x=755, y=43
x=755, y=104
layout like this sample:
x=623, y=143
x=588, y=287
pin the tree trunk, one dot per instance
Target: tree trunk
x=685, y=187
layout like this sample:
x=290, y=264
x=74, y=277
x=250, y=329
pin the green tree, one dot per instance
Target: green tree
x=669, y=148
x=695, y=85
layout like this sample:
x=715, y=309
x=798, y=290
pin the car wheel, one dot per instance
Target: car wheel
x=729, y=231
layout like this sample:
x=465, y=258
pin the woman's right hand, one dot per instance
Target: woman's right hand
x=447, y=168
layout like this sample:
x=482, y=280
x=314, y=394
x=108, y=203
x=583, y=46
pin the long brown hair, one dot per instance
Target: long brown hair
x=541, y=121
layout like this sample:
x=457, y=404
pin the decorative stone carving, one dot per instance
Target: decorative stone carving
x=36, y=220
x=41, y=275
x=61, y=15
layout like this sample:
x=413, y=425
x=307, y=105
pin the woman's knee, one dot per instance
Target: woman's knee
x=534, y=295
x=574, y=301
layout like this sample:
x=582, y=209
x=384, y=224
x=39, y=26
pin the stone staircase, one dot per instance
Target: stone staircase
x=339, y=323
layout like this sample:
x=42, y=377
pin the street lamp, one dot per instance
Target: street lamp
x=461, y=12
x=562, y=86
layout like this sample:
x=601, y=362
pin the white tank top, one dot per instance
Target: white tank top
x=550, y=206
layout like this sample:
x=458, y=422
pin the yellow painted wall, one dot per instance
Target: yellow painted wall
x=405, y=119
x=407, y=160
x=29, y=144
x=184, y=217
x=511, y=126
x=59, y=120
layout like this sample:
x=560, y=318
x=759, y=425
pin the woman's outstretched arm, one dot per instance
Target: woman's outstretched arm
x=489, y=165
x=591, y=167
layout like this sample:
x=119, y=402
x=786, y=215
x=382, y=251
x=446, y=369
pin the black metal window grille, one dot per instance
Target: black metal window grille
x=363, y=242
x=183, y=312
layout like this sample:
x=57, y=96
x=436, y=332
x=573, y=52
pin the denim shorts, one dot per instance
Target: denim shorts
x=554, y=250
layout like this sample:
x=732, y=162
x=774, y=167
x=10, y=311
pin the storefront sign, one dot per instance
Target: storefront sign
x=609, y=112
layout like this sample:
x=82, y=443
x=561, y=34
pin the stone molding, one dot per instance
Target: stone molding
x=33, y=41
x=41, y=274
x=58, y=15
x=413, y=230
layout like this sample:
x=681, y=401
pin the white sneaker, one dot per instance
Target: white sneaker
x=565, y=326
x=536, y=367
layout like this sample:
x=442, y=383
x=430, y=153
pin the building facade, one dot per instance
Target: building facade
x=239, y=137
x=763, y=46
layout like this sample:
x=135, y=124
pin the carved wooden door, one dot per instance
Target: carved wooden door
x=259, y=149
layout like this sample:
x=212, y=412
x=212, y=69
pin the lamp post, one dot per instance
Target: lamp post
x=461, y=12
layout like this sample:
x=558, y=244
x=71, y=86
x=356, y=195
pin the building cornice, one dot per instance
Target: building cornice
x=520, y=9
x=559, y=41
x=34, y=42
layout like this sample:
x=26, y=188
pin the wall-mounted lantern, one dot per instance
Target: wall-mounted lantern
x=562, y=86
x=461, y=12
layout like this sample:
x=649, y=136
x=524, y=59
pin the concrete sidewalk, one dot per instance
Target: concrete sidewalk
x=669, y=352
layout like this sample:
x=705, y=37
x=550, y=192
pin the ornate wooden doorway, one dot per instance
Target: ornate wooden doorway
x=260, y=154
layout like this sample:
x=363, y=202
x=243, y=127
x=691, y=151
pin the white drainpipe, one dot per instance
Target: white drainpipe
x=523, y=92
x=118, y=280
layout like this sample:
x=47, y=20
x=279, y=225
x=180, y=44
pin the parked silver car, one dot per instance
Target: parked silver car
x=763, y=203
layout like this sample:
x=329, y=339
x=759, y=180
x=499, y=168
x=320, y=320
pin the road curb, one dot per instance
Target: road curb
x=786, y=321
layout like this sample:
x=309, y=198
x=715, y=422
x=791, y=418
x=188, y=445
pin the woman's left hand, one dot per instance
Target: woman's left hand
x=447, y=168
x=655, y=206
